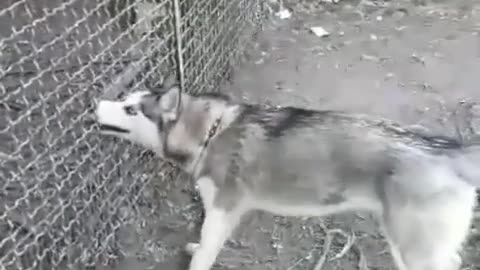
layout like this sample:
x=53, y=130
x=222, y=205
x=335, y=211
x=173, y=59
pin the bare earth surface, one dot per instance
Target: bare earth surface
x=412, y=62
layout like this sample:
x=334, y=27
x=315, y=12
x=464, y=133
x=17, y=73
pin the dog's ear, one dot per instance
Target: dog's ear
x=150, y=107
x=171, y=103
x=170, y=81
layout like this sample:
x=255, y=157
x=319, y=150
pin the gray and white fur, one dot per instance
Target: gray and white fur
x=301, y=162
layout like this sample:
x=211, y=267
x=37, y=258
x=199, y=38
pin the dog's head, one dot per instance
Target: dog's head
x=184, y=121
x=165, y=110
x=124, y=118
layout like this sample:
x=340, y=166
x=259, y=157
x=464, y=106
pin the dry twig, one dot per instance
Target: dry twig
x=350, y=242
x=326, y=249
x=328, y=242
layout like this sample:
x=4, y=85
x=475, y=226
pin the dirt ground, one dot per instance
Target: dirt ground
x=413, y=62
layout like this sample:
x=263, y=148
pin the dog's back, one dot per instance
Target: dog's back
x=314, y=148
x=292, y=161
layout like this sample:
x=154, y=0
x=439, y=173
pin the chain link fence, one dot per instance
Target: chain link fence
x=73, y=200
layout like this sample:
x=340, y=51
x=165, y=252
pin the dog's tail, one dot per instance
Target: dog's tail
x=466, y=163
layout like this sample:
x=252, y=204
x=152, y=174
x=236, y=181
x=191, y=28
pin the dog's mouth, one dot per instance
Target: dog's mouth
x=111, y=128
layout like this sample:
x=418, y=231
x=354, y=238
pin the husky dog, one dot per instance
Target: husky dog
x=301, y=162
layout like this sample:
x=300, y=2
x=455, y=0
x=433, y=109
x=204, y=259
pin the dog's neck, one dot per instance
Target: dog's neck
x=218, y=117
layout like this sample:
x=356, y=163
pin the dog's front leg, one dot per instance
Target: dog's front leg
x=216, y=228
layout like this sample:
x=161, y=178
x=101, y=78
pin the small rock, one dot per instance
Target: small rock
x=373, y=37
x=279, y=85
x=319, y=31
x=369, y=58
x=277, y=245
x=417, y=59
x=388, y=76
x=284, y=14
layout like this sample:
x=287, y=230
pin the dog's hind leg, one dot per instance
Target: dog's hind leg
x=428, y=234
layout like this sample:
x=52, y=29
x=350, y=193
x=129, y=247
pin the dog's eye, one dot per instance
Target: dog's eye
x=130, y=110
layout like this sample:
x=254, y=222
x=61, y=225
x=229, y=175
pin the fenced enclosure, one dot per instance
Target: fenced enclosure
x=73, y=200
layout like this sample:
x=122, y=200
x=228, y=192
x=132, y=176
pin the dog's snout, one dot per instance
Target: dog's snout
x=92, y=116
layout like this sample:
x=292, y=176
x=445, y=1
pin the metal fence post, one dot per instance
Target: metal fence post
x=178, y=38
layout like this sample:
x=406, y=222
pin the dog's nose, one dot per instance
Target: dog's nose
x=90, y=119
x=95, y=102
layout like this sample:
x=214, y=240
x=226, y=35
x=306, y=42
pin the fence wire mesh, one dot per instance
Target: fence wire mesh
x=70, y=199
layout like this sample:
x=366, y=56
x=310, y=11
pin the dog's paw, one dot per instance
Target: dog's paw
x=190, y=248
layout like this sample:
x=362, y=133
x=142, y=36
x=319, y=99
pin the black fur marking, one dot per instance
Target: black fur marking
x=442, y=142
x=334, y=198
x=212, y=95
x=143, y=110
x=290, y=118
x=277, y=121
x=147, y=103
x=176, y=156
x=121, y=96
x=432, y=141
